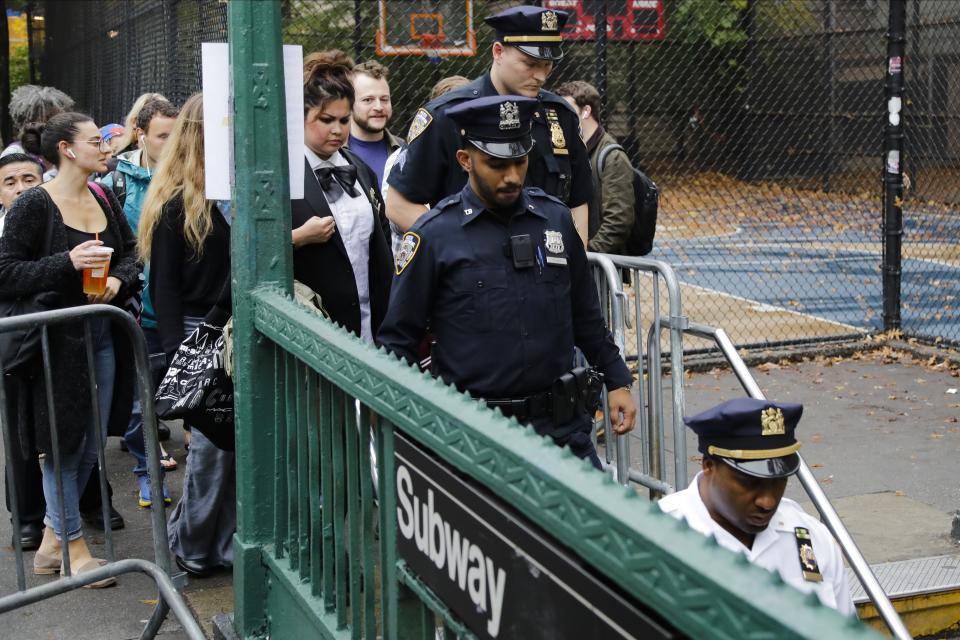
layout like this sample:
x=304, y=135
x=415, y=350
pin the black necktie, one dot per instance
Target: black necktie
x=345, y=176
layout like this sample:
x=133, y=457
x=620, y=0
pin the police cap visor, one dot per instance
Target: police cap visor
x=781, y=467
x=542, y=52
x=504, y=149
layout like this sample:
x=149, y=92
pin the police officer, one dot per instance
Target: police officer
x=526, y=48
x=501, y=277
x=749, y=452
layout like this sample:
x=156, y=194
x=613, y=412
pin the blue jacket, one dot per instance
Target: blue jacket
x=136, y=181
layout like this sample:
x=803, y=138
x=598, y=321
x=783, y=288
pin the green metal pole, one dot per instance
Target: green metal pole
x=261, y=255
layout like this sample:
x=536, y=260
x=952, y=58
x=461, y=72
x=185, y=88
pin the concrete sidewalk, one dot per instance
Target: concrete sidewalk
x=118, y=612
x=880, y=431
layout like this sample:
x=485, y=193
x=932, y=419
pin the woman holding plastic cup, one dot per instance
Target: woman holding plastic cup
x=91, y=259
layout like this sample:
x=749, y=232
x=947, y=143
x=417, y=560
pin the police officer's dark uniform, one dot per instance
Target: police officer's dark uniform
x=507, y=294
x=426, y=171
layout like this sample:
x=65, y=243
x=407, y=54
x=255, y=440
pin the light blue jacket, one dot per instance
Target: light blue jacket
x=136, y=181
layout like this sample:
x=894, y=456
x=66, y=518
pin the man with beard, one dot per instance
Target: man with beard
x=499, y=274
x=372, y=109
x=526, y=48
x=749, y=452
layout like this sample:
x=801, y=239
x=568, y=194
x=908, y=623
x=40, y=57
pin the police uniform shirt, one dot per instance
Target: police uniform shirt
x=500, y=331
x=774, y=548
x=427, y=170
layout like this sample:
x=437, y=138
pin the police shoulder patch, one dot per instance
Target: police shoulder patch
x=421, y=121
x=408, y=249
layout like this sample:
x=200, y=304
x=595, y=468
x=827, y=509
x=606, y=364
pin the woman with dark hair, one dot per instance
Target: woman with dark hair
x=83, y=225
x=340, y=246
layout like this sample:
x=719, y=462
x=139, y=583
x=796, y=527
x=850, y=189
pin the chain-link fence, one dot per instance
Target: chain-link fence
x=761, y=120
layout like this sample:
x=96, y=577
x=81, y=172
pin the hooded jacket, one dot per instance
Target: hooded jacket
x=136, y=181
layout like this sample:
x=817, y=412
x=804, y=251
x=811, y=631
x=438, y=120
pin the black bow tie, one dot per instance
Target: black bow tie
x=345, y=176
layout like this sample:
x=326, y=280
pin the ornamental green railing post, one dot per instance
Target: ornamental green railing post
x=261, y=254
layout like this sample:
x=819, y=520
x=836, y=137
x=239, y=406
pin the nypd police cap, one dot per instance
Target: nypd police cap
x=497, y=125
x=753, y=436
x=533, y=30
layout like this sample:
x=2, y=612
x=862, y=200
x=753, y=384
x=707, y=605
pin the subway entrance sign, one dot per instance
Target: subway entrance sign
x=500, y=575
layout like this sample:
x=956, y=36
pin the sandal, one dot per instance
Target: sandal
x=89, y=565
x=168, y=462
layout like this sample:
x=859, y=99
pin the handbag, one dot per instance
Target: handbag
x=20, y=348
x=197, y=389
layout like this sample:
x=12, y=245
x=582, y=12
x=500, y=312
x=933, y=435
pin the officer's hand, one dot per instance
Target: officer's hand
x=316, y=230
x=623, y=412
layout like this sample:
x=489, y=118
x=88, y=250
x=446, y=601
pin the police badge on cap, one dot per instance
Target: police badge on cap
x=497, y=125
x=533, y=30
x=753, y=436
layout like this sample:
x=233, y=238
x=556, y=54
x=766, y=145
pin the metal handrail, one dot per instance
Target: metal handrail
x=829, y=515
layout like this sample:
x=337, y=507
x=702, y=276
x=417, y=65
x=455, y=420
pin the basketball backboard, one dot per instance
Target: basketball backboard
x=432, y=28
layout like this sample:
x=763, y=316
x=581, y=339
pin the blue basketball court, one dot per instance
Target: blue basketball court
x=835, y=277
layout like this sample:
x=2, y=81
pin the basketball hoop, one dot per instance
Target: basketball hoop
x=431, y=44
x=426, y=28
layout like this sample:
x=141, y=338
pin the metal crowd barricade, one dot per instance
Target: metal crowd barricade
x=628, y=321
x=168, y=597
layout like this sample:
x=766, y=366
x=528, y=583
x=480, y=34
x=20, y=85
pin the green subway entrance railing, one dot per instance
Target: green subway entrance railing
x=472, y=515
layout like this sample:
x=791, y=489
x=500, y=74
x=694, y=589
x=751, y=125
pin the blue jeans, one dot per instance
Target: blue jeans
x=134, y=435
x=76, y=466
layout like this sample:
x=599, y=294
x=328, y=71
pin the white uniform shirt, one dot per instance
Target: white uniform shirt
x=354, y=218
x=774, y=548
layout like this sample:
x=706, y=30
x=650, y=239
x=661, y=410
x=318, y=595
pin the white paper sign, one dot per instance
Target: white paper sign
x=217, y=147
x=218, y=118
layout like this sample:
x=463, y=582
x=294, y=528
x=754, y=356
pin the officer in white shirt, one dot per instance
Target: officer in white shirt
x=749, y=452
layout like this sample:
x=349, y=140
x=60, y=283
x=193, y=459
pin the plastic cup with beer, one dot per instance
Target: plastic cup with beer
x=95, y=278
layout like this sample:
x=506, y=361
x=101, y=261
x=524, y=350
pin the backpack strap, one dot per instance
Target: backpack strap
x=604, y=153
x=119, y=186
x=97, y=189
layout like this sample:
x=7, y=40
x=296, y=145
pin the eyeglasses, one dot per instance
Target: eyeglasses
x=100, y=143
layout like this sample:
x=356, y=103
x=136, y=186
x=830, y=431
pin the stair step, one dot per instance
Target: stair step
x=925, y=591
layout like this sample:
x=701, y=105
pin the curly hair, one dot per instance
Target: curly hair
x=326, y=77
x=33, y=103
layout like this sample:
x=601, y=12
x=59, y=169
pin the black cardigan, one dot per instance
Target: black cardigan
x=24, y=271
x=183, y=283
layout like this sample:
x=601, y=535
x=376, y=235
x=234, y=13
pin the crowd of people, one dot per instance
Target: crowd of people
x=462, y=244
